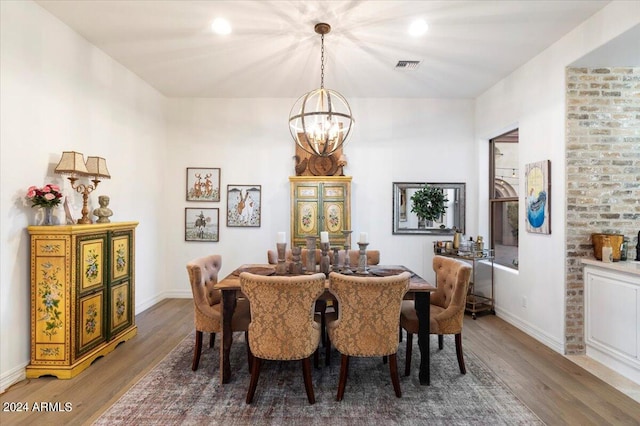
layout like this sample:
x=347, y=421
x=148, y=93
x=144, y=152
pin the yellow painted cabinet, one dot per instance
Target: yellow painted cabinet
x=320, y=204
x=82, y=295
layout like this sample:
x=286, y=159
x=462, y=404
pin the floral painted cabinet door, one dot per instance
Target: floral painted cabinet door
x=50, y=297
x=320, y=204
x=120, y=311
x=91, y=288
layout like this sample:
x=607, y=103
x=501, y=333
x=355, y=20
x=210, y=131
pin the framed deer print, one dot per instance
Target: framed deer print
x=243, y=205
x=203, y=184
x=201, y=224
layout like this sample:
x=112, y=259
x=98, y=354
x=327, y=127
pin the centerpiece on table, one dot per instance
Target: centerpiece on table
x=428, y=203
x=47, y=198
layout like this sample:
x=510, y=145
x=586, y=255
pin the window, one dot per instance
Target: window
x=503, y=198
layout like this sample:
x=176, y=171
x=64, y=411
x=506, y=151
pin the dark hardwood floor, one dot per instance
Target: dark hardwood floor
x=556, y=389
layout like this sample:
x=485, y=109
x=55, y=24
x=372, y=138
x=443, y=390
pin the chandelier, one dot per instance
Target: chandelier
x=320, y=121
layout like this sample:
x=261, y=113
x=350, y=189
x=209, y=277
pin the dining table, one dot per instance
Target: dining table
x=419, y=289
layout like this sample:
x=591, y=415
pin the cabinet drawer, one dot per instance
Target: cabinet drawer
x=50, y=247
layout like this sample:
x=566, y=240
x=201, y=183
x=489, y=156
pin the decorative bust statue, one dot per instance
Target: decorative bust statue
x=103, y=212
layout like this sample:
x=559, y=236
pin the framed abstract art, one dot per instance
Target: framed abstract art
x=538, y=197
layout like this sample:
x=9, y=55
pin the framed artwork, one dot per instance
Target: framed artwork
x=537, y=201
x=203, y=184
x=201, y=224
x=243, y=205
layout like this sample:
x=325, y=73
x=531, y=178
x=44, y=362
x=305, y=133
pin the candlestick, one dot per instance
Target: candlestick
x=311, y=254
x=282, y=237
x=296, y=267
x=336, y=258
x=364, y=238
x=362, y=260
x=347, y=245
x=281, y=267
x=324, y=237
x=324, y=260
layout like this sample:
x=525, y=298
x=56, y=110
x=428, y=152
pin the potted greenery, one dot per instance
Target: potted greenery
x=428, y=203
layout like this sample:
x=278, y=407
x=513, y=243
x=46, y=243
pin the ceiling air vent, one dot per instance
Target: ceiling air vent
x=407, y=65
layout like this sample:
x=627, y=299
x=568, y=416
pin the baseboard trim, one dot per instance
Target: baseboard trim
x=173, y=294
x=13, y=376
x=532, y=331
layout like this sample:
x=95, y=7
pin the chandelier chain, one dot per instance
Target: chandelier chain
x=322, y=62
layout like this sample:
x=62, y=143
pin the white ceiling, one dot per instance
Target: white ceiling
x=274, y=51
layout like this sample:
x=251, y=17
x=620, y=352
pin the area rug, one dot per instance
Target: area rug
x=172, y=394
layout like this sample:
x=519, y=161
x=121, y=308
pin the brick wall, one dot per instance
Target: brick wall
x=603, y=174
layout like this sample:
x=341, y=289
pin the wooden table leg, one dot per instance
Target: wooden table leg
x=228, y=306
x=423, y=308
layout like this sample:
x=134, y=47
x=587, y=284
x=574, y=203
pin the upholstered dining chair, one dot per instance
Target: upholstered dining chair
x=447, y=307
x=368, y=318
x=203, y=275
x=327, y=300
x=282, y=322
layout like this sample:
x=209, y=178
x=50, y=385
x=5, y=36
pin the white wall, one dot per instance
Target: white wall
x=61, y=93
x=533, y=99
x=396, y=140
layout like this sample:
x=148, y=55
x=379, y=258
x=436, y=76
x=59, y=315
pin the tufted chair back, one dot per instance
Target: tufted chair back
x=368, y=313
x=203, y=275
x=282, y=321
x=452, y=283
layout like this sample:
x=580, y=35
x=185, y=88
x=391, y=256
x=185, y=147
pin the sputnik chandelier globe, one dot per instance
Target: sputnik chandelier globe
x=320, y=121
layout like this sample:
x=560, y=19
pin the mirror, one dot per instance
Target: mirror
x=406, y=222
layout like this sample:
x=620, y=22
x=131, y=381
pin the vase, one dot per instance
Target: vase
x=47, y=219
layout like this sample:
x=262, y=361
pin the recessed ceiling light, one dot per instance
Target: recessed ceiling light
x=221, y=26
x=418, y=27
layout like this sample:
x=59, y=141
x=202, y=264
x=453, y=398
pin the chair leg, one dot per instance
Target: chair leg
x=316, y=358
x=393, y=369
x=400, y=335
x=440, y=341
x=344, y=372
x=327, y=352
x=255, y=373
x=196, y=351
x=308, y=384
x=407, y=363
x=212, y=339
x=463, y=369
x=384, y=359
x=249, y=353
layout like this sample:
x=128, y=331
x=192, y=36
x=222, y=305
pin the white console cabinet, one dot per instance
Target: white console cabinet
x=612, y=315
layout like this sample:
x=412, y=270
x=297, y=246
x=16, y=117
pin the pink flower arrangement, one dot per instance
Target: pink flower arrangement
x=47, y=196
